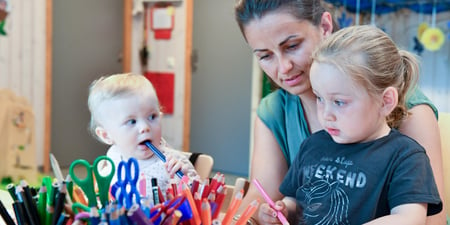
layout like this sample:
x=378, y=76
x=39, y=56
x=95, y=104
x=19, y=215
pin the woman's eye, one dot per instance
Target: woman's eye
x=263, y=57
x=293, y=46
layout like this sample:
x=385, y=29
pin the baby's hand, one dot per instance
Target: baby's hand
x=172, y=165
x=268, y=215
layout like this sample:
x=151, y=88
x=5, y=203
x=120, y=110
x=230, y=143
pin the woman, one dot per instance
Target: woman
x=283, y=34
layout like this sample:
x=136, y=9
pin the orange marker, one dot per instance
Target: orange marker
x=234, y=205
x=249, y=211
x=206, y=212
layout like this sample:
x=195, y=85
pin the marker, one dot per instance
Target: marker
x=59, y=204
x=12, y=191
x=280, y=215
x=19, y=211
x=24, y=196
x=161, y=156
x=42, y=204
x=155, y=191
x=143, y=185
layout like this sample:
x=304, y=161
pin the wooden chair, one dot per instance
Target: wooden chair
x=444, y=127
x=239, y=184
x=203, y=163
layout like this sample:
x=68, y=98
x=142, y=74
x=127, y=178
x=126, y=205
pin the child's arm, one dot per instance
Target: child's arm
x=414, y=213
x=268, y=215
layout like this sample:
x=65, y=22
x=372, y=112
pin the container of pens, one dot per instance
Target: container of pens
x=94, y=200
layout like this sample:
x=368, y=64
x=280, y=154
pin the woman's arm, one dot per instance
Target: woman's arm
x=268, y=165
x=422, y=126
x=414, y=214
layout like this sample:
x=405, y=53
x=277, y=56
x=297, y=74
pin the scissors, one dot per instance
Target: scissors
x=128, y=193
x=87, y=184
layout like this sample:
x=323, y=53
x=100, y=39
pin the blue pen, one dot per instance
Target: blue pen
x=161, y=156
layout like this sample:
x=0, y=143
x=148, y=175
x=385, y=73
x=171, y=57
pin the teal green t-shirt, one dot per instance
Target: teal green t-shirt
x=283, y=114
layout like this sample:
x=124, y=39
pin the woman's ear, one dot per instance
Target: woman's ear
x=390, y=100
x=103, y=135
x=326, y=24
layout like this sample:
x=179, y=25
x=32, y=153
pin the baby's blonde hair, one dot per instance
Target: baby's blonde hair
x=114, y=86
x=371, y=59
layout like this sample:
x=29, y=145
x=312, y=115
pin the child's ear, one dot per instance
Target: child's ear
x=103, y=135
x=390, y=100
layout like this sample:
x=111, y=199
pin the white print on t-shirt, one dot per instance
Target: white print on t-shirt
x=321, y=194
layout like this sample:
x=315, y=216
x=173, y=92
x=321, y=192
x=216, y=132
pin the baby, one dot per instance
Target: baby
x=125, y=113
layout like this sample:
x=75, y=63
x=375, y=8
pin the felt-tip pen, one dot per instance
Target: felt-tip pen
x=161, y=156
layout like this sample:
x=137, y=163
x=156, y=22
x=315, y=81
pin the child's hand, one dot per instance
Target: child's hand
x=172, y=165
x=268, y=215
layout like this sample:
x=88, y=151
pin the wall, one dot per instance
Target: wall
x=22, y=59
x=434, y=79
x=166, y=56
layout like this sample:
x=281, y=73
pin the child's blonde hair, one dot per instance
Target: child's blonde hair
x=113, y=86
x=371, y=58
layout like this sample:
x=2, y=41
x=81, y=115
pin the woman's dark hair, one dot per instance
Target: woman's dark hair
x=310, y=10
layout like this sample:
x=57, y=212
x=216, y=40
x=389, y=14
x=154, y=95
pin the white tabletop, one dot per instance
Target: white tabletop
x=6, y=199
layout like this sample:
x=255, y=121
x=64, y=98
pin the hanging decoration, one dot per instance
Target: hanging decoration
x=372, y=13
x=432, y=37
x=418, y=46
x=4, y=8
x=144, y=52
x=344, y=21
x=448, y=27
x=358, y=9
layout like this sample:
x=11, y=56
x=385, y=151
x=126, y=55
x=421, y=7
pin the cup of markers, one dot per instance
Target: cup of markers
x=83, y=201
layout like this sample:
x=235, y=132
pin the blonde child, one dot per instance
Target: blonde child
x=125, y=113
x=359, y=169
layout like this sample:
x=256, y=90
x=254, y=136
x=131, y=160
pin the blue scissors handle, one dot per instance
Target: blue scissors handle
x=130, y=166
x=127, y=180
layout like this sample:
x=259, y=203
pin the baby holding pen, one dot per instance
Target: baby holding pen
x=126, y=115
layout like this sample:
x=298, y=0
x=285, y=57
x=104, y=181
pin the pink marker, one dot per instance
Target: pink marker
x=266, y=197
x=143, y=185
